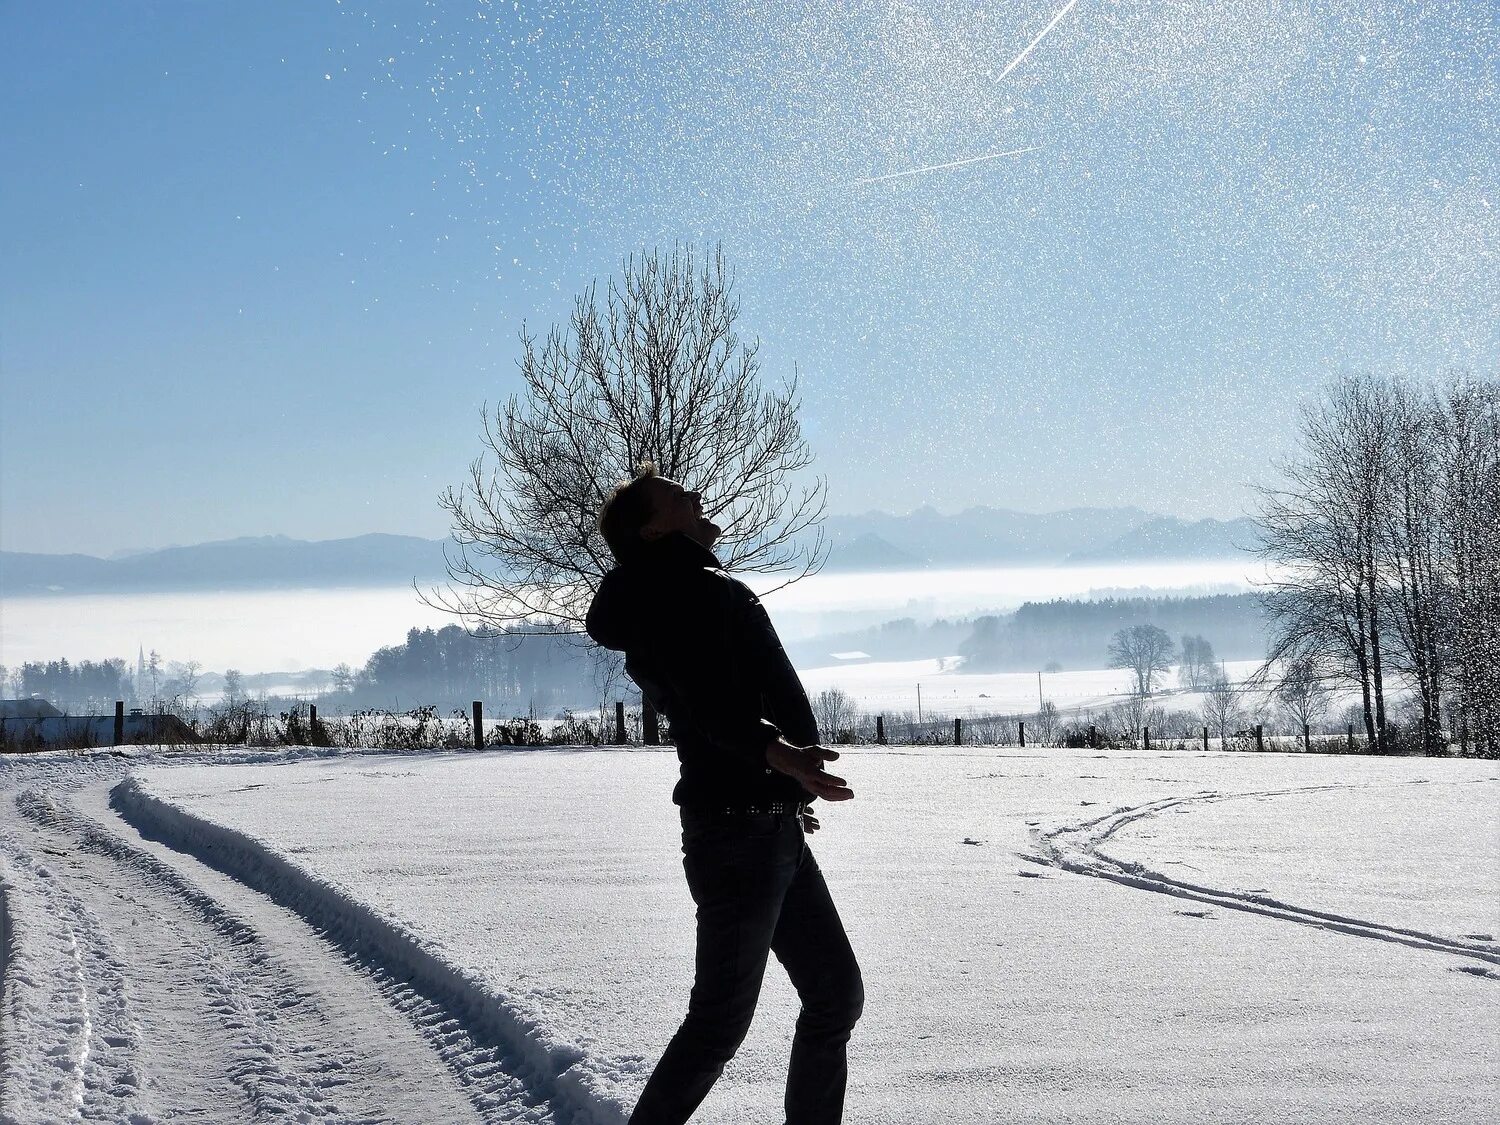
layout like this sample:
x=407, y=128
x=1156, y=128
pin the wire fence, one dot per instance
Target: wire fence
x=253, y=724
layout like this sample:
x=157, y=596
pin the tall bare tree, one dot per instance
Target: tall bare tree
x=1147, y=651
x=1468, y=421
x=1409, y=547
x=651, y=369
x=1385, y=529
x=1323, y=527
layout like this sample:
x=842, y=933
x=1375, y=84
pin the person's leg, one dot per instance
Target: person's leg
x=737, y=872
x=810, y=942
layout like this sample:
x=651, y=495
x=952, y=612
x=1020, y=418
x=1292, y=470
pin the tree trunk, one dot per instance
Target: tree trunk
x=1362, y=664
x=1377, y=673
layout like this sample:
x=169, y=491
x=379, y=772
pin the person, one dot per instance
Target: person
x=703, y=651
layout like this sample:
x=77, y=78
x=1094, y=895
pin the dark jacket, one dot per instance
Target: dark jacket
x=699, y=645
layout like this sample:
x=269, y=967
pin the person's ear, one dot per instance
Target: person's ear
x=650, y=534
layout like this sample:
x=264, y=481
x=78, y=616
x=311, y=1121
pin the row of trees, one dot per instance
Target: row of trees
x=1387, y=539
x=1078, y=633
x=513, y=672
x=95, y=685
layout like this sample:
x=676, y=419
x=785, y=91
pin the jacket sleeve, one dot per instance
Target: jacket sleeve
x=779, y=682
x=700, y=662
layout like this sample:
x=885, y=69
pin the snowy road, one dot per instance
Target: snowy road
x=176, y=994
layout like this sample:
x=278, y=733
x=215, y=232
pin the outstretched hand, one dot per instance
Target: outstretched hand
x=805, y=765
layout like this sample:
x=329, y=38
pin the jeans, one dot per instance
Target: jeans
x=758, y=891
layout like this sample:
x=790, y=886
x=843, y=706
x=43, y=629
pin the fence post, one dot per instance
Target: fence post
x=619, y=722
x=880, y=729
x=650, y=734
x=312, y=716
x=1146, y=738
x=1306, y=740
x=478, y=725
x=1205, y=740
x=1260, y=742
x=958, y=732
x=1022, y=727
x=1093, y=737
x=1350, y=742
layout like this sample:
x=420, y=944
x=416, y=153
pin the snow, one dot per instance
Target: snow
x=1059, y=964
x=885, y=687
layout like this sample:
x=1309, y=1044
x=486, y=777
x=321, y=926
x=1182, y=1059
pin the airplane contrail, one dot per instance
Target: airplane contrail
x=940, y=167
x=1015, y=62
x=1040, y=35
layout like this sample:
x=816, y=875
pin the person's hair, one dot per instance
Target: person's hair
x=627, y=510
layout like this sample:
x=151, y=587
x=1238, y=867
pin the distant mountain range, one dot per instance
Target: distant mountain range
x=872, y=541
x=997, y=536
x=263, y=562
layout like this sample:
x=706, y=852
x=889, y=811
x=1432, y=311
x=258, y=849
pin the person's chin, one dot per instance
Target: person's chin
x=706, y=532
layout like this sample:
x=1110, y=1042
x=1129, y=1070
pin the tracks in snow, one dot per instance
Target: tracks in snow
x=147, y=987
x=1077, y=848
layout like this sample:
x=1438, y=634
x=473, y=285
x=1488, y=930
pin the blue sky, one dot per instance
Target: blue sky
x=261, y=265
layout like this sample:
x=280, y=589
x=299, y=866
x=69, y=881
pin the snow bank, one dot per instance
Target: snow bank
x=554, y=1063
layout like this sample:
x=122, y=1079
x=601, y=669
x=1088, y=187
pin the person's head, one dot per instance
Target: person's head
x=649, y=507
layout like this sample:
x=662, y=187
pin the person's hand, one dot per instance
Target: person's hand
x=805, y=764
x=809, y=822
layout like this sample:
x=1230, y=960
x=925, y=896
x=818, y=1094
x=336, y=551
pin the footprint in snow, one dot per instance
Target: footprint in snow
x=1195, y=913
x=1032, y=875
x=1480, y=937
x=971, y=840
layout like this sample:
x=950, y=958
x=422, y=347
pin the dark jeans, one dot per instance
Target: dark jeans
x=758, y=891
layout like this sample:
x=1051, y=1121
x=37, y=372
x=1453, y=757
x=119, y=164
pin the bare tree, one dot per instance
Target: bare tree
x=1468, y=425
x=654, y=370
x=234, y=687
x=1147, y=651
x=1223, y=707
x=1385, y=532
x=154, y=666
x=343, y=678
x=837, y=714
x=1048, y=723
x=1198, y=663
x=1324, y=527
x=1303, y=693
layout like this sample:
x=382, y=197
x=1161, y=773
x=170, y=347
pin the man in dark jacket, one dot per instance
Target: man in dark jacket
x=703, y=651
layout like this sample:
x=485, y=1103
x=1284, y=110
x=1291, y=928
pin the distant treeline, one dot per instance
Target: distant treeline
x=513, y=674
x=542, y=675
x=1076, y=634
x=85, y=686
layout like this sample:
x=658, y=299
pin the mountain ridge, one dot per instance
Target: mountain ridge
x=977, y=536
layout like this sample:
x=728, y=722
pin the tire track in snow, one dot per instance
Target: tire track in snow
x=480, y=1032
x=66, y=1003
x=230, y=1009
x=1077, y=848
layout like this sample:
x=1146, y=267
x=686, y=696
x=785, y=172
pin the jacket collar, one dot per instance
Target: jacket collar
x=677, y=550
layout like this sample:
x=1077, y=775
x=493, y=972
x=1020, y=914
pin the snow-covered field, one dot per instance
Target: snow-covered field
x=1046, y=936
x=887, y=687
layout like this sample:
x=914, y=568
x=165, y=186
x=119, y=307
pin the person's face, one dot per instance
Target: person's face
x=674, y=508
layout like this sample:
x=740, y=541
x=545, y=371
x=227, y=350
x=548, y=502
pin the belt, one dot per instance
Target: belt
x=771, y=808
